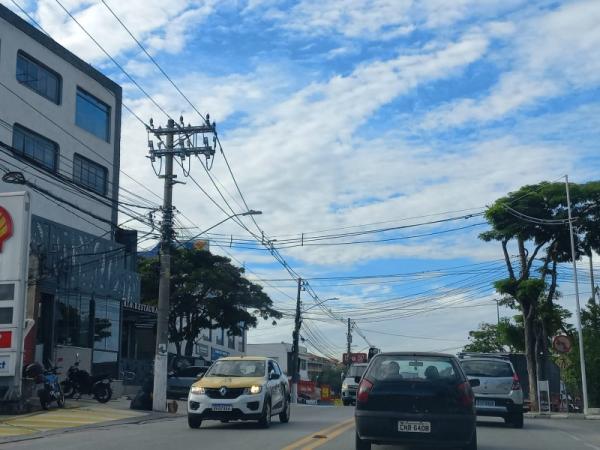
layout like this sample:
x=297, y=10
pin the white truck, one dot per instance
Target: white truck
x=350, y=383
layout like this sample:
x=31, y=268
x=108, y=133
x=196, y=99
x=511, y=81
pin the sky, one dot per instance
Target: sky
x=342, y=116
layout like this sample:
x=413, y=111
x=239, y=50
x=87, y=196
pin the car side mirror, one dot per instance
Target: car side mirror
x=357, y=379
x=475, y=382
x=273, y=376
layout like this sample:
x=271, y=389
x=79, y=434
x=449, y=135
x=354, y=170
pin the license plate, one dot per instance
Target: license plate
x=485, y=403
x=414, y=427
x=222, y=408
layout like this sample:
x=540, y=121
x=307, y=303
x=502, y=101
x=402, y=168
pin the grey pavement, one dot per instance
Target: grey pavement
x=327, y=428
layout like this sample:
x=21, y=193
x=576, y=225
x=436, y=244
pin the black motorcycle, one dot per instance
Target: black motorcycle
x=79, y=382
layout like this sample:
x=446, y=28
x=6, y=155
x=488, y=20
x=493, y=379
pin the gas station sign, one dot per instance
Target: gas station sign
x=15, y=222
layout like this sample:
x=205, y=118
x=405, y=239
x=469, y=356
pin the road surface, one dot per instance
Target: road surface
x=326, y=428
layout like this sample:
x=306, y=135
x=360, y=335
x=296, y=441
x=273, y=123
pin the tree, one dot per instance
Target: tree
x=207, y=292
x=505, y=336
x=532, y=221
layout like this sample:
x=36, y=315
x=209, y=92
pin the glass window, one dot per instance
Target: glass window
x=356, y=371
x=492, y=369
x=92, y=115
x=413, y=368
x=237, y=368
x=36, y=148
x=6, y=316
x=220, y=336
x=38, y=77
x=7, y=291
x=89, y=174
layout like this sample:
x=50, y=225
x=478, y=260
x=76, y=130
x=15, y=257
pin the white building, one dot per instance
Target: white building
x=60, y=130
x=282, y=353
x=212, y=344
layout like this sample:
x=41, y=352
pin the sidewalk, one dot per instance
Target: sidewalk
x=570, y=416
x=77, y=414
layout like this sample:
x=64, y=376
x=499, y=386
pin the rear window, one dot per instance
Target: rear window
x=491, y=369
x=356, y=371
x=413, y=368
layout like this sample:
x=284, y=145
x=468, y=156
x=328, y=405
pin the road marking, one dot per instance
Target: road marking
x=577, y=438
x=323, y=435
x=592, y=446
x=330, y=437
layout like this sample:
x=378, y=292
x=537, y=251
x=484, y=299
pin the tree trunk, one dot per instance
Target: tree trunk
x=530, y=348
x=189, y=347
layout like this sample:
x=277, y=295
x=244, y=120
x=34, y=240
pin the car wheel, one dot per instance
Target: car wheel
x=346, y=402
x=194, y=421
x=265, y=418
x=472, y=445
x=284, y=416
x=361, y=444
x=516, y=420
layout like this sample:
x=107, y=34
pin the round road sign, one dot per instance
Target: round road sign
x=562, y=344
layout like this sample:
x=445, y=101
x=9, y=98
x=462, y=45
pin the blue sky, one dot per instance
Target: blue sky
x=341, y=113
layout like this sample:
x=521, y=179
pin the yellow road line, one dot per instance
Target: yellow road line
x=329, y=438
x=324, y=432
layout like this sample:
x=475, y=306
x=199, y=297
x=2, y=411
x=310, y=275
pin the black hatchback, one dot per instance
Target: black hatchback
x=415, y=399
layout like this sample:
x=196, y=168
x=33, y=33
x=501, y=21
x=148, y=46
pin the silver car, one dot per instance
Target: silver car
x=499, y=393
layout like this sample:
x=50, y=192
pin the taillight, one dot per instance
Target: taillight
x=516, y=385
x=363, y=390
x=466, y=396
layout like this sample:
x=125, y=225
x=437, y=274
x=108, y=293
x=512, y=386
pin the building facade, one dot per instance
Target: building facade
x=282, y=353
x=60, y=131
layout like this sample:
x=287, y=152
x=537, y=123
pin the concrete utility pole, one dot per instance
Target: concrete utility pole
x=592, y=278
x=295, y=369
x=577, y=304
x=168, y=150
x=349, y=342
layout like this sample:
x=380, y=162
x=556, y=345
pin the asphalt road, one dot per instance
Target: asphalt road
x=311, y=427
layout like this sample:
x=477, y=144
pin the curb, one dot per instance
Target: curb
x=562, y=416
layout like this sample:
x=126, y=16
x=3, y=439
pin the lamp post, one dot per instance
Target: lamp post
x=251, y=212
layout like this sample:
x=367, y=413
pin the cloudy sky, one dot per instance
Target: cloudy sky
x=343, y=116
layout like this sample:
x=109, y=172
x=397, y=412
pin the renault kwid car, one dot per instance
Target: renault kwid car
x=240, y=388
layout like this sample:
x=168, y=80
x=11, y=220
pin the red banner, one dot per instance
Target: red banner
x=355, y=358
x=5, y=339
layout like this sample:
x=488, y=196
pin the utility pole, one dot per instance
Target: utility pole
x=349, y=342
x=169, y=150
x=577, y=304
x=592, y=278
x=295, y=369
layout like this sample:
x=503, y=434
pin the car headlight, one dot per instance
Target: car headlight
x=256, y=389
x=198, y=390
x=344, y=386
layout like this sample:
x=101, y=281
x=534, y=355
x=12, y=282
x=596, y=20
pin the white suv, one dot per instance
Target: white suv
x=499, y=393
x=240, y=388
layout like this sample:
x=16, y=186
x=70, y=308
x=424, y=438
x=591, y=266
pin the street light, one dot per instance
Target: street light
x=250, y=212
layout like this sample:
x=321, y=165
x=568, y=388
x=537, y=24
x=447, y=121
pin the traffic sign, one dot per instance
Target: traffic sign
x=562, y=344
x=355, y=358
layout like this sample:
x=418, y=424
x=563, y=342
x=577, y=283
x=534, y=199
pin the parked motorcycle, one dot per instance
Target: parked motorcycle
x=79, y=382
x=52, y=391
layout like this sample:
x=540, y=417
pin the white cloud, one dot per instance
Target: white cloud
x=552, y=54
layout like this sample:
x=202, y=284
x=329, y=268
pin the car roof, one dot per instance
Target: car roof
x=242, y=358
x=435, y=354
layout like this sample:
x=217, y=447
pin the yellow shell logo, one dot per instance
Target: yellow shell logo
x=6, y=226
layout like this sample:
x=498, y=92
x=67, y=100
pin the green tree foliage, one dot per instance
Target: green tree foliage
x=531, y=223
x=506, y=336
x=207, y=291
x=570, y=362
x=332, y=377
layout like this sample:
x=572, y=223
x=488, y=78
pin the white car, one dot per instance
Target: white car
x=240, y=388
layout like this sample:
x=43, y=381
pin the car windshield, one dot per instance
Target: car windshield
x=356, y=371
x=413, y=368
x=483, y=368
x=245, y=368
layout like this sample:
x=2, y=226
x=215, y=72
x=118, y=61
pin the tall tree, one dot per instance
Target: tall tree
x=207, y=292
x=501, y=337
x=532, y=222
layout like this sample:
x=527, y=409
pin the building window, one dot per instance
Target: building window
x=38, y=77
x=36, y=148
x=220, y=336
x=73, y=320
x=92, y=115
x=89, y=174
x=207, y=335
